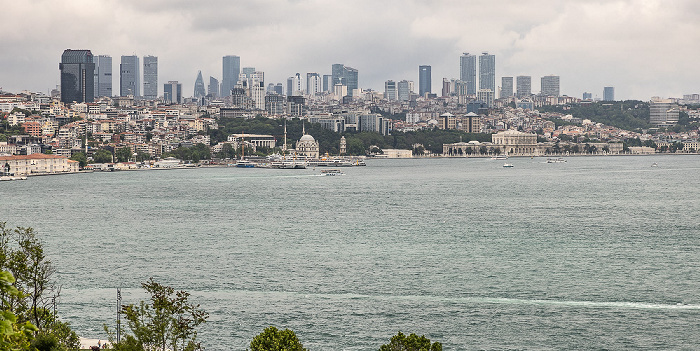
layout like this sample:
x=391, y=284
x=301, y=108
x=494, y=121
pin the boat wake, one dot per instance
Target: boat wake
x=475, y=300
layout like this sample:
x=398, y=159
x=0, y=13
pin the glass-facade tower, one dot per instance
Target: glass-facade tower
x=129, y=76
x=231, y=70
x=103, y=75
x=150, y=77
x=487, y=72
x=77, y=76
x=424, y=80
x=467, y=72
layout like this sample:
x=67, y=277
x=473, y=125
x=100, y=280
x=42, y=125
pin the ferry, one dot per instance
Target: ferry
x=507, y=165
x=244, y=164
x=332, y=172
x=500, y=157
x=288, y=164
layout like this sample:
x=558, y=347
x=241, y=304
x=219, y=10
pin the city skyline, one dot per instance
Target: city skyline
x=589, y=45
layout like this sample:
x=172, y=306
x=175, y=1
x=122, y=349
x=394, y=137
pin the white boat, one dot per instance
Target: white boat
x=4, y=178
x=500, y=157
x=332, y=172
x=556, y=160
x=507, y=165
x=655, y=164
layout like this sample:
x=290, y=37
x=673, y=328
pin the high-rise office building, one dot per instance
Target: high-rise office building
x=103, y=75
x=485, y=96
x=663, y=112
x=390, y=90
x=523, y=86
x=404, y=90
x=346, y=76
x=506, y=87
x=424, y=80
x=278, y=89
x=313, y=83
x=172, y=92
x=199, y=91
x=294, y=85
x=609, y=94
x=150, y=77
x=129, y=83
x=487, y=72
x=77, y=76
x=550, y=86
x=587, y=96
x=247, y=72
x=231, y=70
x=213, y=88
x=467, y=72
x=327, y=83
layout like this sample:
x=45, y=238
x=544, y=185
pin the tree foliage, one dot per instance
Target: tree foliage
x=22, y=254
x=273, y=339
x=123, y=154
x=14, y=335
x=629, y=115
x=80, y=157
x=413, y=342
x=167, y=322
x=102, y=156
x=195, y=153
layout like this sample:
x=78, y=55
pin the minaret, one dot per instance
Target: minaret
x=284, y=147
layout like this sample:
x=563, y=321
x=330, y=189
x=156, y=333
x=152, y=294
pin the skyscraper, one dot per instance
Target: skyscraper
x=404, y=90
x=294, y=85
x=424, y=80
x=213, y=88
x=129, y=76
x=467, y=72
x=487, y=72
x=506, y=87
x=150, y=77
x=390, y=90
x=199, y=91
x=103, y=75
x=77, y=76
x=345, y=75
x=248, y=71
x=172, y=92
x=327, y=83
x=232, y=68
x=278, y=89
x=313, y=83
x=550, y=86
x=609, y=94
x=523, y=86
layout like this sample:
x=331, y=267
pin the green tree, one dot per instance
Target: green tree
x=102, y=156
x=123, y=154
x=14, y=335
x=413, y=342
x=167, y=322
x=273, y=339
x=22, y=254
x=80, y=157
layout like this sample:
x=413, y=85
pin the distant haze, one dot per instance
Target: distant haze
x=642, y=48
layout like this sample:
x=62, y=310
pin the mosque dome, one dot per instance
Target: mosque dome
x=307, y=137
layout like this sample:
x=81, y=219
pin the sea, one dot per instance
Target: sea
x=595, y=253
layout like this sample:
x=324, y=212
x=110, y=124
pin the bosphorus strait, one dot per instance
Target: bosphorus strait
x=595, y=253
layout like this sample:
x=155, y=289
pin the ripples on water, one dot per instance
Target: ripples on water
x=598, y=252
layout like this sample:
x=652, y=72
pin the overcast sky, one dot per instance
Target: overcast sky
x=643, y=48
